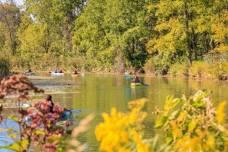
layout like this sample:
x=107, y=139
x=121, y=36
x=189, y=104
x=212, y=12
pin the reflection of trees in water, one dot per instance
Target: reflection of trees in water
x=98, y=93
x=118, y=80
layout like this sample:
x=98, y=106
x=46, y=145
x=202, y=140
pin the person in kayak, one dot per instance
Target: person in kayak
x=29, y=70
x=136, y=79
x=67, y=113
x=49, y=99
x=75, y=72
x=56, y=71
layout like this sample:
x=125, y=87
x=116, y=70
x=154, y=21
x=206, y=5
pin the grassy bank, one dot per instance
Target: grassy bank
x=197, y=70
x=201, y=70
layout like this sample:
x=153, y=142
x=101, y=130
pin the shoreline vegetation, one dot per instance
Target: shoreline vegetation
x=177, y=38
x=196, y=75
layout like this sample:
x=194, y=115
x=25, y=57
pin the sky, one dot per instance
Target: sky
x=18, y=2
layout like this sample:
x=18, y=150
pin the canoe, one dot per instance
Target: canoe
x=57, y=74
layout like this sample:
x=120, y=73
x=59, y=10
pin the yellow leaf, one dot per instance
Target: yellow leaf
x=220, y=113
x=211, y=141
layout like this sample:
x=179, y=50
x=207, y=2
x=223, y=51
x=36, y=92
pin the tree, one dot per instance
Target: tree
x=220, y=26
x=45, y=29
x=113, y=32
x=9, y=21
x=187, y=29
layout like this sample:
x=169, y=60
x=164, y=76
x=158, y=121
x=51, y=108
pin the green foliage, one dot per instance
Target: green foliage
x=46, y=30
x=198, y=68
x=159, y=64
x=202, y=69
x=9, y=22
x=179, y=69
x=187, y=29
x=149, y=66
x=17, y=146
x=4, y=67
x=112, y=35
x=112, y=32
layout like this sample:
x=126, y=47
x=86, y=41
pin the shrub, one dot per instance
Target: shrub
x=149, y=67
x=199, y=69
x=193, y=124
x=188, y=124
x=215, y=70
x=178, y=69
x=157, y=67
x=123, y=131
x=4, y=67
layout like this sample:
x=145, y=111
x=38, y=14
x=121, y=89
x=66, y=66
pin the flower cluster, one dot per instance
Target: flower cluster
x=122, y=132
x=41, y=114
x=40, y=123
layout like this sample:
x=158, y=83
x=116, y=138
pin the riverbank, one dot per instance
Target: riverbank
x=43, y=75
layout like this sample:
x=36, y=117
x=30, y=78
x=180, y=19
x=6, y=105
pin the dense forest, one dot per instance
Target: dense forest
x=177, y=37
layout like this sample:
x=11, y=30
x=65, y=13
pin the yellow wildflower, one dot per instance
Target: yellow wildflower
x=220, y=114
x=119, y=130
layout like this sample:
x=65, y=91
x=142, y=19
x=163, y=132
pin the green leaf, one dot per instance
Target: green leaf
x=54, y=138
x=198, y=104
x=17, y=146
x=160, y=121
x=14, y=118
x=39, y=132
x=192, y=125
x=169, y=138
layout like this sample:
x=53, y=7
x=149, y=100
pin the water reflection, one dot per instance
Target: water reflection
x=8, y=128
x=99, y=93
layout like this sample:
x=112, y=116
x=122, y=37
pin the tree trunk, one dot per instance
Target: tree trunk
x=120, y=65
x=187, y=32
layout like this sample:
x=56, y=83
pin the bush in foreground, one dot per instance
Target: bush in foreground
x=189, y=124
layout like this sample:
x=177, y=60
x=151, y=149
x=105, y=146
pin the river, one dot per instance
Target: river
x=99, y=93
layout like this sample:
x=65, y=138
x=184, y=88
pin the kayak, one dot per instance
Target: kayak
x=133, y=84
x=29, y=73
x=66, y=119
x=57, y=74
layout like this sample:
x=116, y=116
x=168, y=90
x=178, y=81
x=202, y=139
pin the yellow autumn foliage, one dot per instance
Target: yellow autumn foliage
x=121, y=129
x=189, y=124
x=193, y=124
x=220, y=113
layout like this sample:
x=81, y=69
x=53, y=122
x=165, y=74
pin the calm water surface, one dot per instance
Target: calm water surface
x=99, y=93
